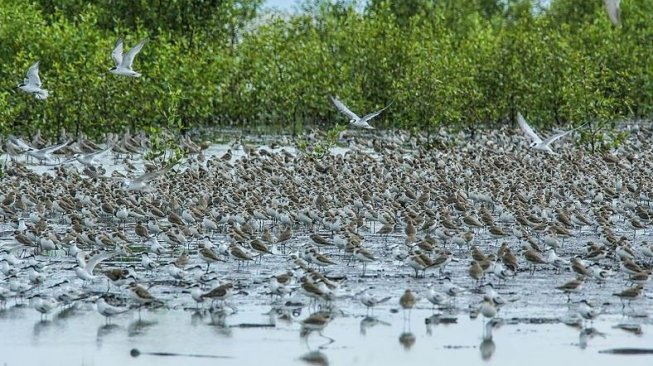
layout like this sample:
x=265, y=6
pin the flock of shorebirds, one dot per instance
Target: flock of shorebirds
x=476, y=221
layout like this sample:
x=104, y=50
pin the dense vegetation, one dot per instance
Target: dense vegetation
x=218, y=63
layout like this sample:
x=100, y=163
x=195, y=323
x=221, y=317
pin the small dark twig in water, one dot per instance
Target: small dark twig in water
x=628, y=351
x=135, y=353
x=252, y=325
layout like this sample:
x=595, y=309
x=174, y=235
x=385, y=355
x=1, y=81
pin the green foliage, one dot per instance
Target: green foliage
x=460, y=64
x=164, y=148
x=194, y=21
x=320, y=148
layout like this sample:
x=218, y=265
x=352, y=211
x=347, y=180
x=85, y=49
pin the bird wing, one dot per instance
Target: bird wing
x=612, y=7
x=80, y=259
x=152, y=175
x=90, y=266
x=343, y=108
x=527, y=129
x=33, y=75
x=116, y=55
x=51, y=149
x=102, y=152
x=553, y=138
x=374, y=114
x=129, y=56
x=20, y=143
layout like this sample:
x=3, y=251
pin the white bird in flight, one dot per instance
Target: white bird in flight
x=84, y=270
x=355, y=120
x=91, y=159
x=32, y=83
x=44, y=154
x=124, y=62
x=141, y=183
x=537, y=143
x=612, y=7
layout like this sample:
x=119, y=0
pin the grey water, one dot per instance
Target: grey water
x=82, y=337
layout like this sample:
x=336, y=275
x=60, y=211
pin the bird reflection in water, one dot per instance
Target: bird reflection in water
x=369, y=322
x=488, y=346
x=197, y=317
x=67, y=312
x=105, y=330
x=11, y=312
x=218, y=319
x=407, y=340
x=437, y=319
x=315, y=358
x=40, y=326
x=139, y=327
x=587, y=334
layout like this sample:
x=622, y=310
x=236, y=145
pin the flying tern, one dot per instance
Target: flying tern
x=141, y=183
x=124, y=61
x=537, y=143
x=44, y=153
x=355, y=120
x=32, y=83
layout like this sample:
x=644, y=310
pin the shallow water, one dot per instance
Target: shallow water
x=83, y=338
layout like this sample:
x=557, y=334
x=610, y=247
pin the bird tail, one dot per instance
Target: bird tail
x=43, y=94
